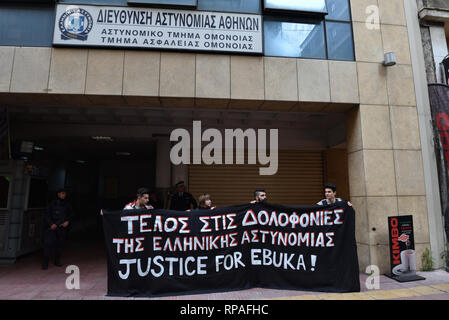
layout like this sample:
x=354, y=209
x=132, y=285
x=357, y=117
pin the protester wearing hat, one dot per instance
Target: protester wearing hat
x=57, y=219
x=182, y=200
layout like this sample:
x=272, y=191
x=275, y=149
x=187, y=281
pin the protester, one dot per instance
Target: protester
x=143, y=197
x=182, y=200
x=57, y=219
x=205, y=202
x=330, y=193
x=259, y=196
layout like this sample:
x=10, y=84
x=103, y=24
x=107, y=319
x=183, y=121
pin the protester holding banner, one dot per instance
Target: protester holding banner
x=246, y=246
x=259, y=196
x=330, y=192
x=205, y=202
x=143, y=197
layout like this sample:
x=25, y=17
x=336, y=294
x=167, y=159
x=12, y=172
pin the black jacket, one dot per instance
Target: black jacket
x=183, y=202
x=58, y=211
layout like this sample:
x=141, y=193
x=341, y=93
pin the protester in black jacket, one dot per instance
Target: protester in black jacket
x=57, y=219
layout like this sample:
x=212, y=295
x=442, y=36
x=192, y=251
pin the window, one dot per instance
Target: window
x=297, y=5
x=339, y=41
x=242, y=6
x=310, y=36
x=338, y=10
x=303, y=39
x=339, y=31
x=26, y=26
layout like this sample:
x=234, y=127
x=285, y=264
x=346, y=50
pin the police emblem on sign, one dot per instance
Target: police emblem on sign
x=75, y=23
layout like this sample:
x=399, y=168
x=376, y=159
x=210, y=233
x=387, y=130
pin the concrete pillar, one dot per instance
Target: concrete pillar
x=163, y=164
x=434, y=210
x=387, y=157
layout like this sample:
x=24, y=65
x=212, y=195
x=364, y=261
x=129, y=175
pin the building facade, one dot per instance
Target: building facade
x=99, y=115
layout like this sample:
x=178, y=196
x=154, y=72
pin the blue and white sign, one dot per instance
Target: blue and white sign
x=75, y=23
x=131, y=27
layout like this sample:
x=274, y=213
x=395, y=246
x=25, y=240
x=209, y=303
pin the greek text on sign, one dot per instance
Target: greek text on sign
x=157, y=29
x=159, y=252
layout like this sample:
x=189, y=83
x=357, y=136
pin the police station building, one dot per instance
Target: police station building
x=91, y=91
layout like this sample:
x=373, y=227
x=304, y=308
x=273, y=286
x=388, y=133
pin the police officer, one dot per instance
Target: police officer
x=182, y=200
x=57, y=219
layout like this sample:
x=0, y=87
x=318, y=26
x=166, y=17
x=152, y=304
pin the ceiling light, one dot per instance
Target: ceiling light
x=102, y=138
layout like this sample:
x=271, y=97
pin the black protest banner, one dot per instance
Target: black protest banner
x=164, y=252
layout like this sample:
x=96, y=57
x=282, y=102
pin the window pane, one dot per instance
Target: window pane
x=245, y=6
x=191, y=3
x=294, y=39
x=338, y=10
x=26, y=26
x=297, y=5
x=94, y=2
x=339, y=41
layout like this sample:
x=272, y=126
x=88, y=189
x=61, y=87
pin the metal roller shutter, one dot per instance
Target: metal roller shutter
x=298, y=181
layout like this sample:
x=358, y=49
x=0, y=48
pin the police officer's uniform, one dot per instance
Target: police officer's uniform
x=182, y=200
x=58, y=211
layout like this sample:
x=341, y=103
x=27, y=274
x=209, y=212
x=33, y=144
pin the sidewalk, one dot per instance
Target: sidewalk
x=25, y=280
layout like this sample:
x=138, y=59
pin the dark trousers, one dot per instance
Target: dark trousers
x=54, y=241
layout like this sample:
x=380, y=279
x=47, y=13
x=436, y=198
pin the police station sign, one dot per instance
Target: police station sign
x=130, y=27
